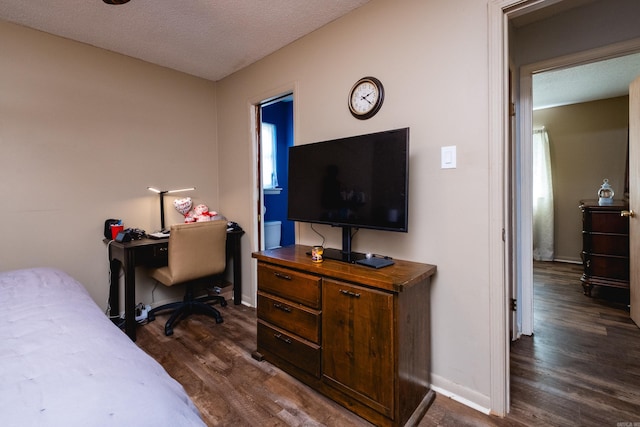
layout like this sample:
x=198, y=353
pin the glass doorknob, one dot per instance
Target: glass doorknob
x=629, y=213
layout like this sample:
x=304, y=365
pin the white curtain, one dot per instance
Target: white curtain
x=542, y=198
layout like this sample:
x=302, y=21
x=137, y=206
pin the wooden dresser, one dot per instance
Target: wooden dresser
x=605, y=245
x=358, y=335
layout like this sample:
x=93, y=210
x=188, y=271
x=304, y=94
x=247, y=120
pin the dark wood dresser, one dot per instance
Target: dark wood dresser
x=358, y=335
x=605, y=245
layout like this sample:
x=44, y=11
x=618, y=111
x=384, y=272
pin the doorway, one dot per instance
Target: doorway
x=595, y=56
x=523, y=145
x=504, y=239
x=275, y=137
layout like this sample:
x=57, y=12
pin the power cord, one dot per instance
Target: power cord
x=318, y=233
x=153, y=298
x=355, y=232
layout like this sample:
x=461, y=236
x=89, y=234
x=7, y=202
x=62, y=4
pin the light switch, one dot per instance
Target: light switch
x=448, y=157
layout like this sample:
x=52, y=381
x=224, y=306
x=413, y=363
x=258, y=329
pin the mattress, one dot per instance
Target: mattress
x=64, y=363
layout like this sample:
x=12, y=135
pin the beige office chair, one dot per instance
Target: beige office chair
x=196, y=251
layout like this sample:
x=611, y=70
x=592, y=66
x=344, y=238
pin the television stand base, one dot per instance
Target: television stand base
x=338, y=255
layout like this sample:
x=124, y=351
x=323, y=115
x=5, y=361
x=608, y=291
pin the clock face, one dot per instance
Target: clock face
x=365, y=98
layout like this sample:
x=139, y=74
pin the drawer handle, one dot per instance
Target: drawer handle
x=282, y=307
x=163, y=249
x=282, y=338
x=349, y=293
x=282, y=276
x=588, y=263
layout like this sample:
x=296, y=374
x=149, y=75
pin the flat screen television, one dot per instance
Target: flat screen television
x=355, y=182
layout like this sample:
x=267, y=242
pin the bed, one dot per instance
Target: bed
x=64, y=363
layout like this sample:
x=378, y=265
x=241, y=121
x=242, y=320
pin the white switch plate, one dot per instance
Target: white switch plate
x=448, y=157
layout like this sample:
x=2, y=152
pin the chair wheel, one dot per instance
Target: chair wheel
x=219, y=320
x=151, y=317
x=168, y=331
x=223, y=303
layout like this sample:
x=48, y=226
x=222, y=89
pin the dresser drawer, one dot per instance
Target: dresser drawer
x=608, y=244
x=153, y=255
x=302, y=354
x=607, y=266
x=294, y=318
x=289, y=284
x=608, y=222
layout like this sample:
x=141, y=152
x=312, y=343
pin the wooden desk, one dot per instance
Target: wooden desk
x=154, y=253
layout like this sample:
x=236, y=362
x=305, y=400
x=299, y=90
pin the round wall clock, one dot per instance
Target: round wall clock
x=365, y=98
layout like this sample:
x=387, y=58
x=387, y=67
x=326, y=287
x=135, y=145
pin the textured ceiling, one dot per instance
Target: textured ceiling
x=583, y=83
x=205, y=38
x=214, y=38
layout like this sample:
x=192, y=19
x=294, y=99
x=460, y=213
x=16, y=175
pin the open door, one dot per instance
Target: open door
x=634, y=199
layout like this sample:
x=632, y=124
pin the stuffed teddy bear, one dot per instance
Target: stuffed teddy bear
x=200, y=213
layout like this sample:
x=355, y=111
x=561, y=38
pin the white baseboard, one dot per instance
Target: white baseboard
x=569, y=261
x=461, y=394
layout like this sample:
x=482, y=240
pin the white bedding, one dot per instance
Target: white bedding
x=64, y=363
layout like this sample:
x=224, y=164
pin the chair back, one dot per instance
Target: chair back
x=197, y=250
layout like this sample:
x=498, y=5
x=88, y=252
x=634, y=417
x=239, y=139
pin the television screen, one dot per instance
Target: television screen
x=359, y=181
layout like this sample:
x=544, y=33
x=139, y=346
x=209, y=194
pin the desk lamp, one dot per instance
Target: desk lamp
x=162, y=193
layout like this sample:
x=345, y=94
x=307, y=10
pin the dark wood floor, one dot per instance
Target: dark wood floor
x=581, y=368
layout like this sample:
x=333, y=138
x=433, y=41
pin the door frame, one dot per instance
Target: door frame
x=259, y=120
x=499, y=320
x=255, y=105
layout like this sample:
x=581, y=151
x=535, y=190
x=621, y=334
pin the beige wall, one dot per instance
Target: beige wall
x=588, y=142
x=431, y=57
x=83, y=132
